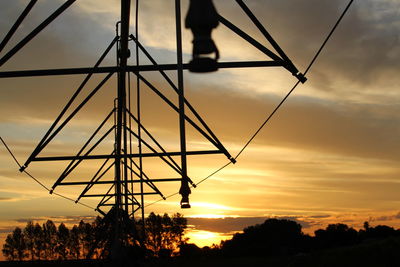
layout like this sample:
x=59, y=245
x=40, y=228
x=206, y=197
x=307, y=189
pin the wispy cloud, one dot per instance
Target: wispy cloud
x=333, y=147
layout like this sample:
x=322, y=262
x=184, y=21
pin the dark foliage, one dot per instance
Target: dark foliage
x=273, y=237
x=190, y=251
x=96, y=240
x=164, y=234
x=336, y=235
x=47, y=242
x=275, y=242
x=282, y=243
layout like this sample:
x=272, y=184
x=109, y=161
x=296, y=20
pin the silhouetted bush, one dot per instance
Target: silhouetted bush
x=282, y=238
x=190, y=251
x=336, y=235
x=273, y=237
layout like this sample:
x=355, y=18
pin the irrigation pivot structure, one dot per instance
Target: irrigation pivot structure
x=130, y=182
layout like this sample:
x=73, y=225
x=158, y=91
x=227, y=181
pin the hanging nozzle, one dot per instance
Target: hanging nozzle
x=185, y=192
x=202, y=18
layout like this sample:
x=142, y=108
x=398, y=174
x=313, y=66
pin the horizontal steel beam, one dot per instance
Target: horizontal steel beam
x=144, y=155
x=112, y=205
x=112, y=69
x=113, y=195
x=122, y=182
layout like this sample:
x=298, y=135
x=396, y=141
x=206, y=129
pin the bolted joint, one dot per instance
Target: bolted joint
x=300, y=77
x=127, y=54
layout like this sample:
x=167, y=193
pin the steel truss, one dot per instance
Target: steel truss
x=130, y=182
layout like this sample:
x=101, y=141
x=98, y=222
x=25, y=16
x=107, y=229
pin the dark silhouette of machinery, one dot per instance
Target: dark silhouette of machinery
x=130, y=182
x=202, y=18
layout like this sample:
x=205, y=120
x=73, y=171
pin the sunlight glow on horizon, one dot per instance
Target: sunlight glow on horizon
x=330, y=155
x=205, y=238
x=212, y=216
x=212, y=206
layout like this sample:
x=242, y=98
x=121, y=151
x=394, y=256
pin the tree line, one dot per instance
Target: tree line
x=281, y=238
x=275, y=238
x=164, y=234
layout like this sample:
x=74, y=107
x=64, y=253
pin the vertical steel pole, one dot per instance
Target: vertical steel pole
x=120, y=138
x=123, y=55
x=184, y=181
x=138, y=98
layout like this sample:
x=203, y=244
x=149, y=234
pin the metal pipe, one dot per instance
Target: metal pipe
x=35, y=32
x=123, y=55
x=136, y=69
x=185, y=189
x=73, y=113
x=111, y=182
x=17, y=24
x=135, y=155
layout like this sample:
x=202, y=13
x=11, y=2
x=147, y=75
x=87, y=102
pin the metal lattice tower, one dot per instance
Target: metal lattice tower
x=131, y=183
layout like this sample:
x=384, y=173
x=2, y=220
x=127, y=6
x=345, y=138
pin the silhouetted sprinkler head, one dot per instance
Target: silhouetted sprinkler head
x=202, y=18
x=185, y=191
x=185, y=202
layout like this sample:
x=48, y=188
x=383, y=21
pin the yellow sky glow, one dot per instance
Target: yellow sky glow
x=330, y=154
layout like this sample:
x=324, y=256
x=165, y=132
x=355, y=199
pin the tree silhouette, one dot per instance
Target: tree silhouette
x=190, y=251
x=73, y=243
x=29, y=236
x=15, y=247
x=336, y=235
x=38, y=241
x=50, y=239
x=86, y=237
x=163, y=233
x=379, y=231
x=92, y=240
x=62, y=242
x=276, y=239
x=273, y=237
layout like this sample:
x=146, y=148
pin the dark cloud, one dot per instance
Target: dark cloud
x=75, y=38
x=362, y=55
x=6, y=230
x=58, y=219
x=363, y=50
x=224, y=225
x=353, y=129
x=320, y=216
x=6, y=198
x=385, y=218
x=304, y=123
x=236, y=224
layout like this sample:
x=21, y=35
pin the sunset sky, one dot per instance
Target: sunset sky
x=331, y=154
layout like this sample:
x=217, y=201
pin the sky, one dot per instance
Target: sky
x=329, y=155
